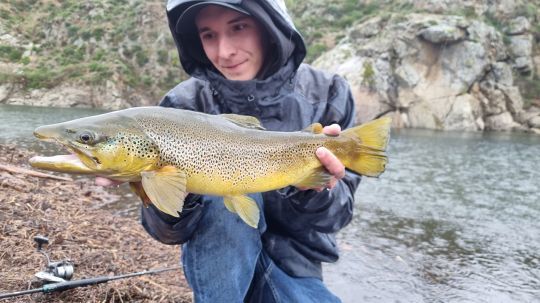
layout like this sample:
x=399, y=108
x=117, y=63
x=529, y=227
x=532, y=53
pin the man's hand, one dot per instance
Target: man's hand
x=330, y=162
x=102, y=181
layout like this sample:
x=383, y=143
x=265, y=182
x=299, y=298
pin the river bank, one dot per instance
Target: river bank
x=98, y=242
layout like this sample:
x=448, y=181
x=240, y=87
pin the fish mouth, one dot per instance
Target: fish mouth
x=75, y=162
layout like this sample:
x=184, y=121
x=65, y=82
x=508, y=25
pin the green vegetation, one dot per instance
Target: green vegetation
x=368, y=75
x=10, y=53
x=89, y=42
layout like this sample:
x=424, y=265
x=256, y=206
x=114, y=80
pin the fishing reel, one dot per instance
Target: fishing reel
x=59, y=271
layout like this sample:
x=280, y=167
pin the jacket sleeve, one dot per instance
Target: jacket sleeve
x=328, y=211
x=162, y=227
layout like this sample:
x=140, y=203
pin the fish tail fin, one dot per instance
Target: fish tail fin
x=368, y=156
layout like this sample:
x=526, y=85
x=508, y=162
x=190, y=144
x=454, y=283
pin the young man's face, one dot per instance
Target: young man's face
x=232, y=41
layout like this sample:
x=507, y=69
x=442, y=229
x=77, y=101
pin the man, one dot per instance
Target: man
x=245, y=58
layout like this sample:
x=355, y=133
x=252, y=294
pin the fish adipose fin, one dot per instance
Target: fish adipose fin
x=368, y=157
x=316, y=178
x=166, y=188
x=244, y=121
x=245, y=207
x=315, y=128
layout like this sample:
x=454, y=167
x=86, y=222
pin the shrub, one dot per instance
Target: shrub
x=11, y=53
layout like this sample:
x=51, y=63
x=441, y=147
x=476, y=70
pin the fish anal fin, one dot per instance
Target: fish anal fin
x=166, y=189
x=245, y=207
x=138, y=189
x=244, y=121
x=229, y=205
x=315, y=128
x=315, y=178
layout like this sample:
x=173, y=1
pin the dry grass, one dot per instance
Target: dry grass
x=98, y=242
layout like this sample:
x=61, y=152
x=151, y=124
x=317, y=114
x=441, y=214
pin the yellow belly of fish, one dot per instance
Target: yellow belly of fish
x=212, y=185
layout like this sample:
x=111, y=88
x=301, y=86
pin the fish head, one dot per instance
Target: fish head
x=106, y=145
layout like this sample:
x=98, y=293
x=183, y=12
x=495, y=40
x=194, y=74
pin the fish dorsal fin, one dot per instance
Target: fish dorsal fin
x=244, y=121
x=166, y=188
x=315, y=128
x=245, y=207
x=315, y=178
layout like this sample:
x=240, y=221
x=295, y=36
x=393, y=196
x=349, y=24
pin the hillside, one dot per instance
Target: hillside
x=117, y=53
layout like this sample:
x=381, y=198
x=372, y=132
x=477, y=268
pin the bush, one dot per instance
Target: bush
x=11, y=53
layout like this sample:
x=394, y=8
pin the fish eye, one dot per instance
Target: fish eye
x=86, y=137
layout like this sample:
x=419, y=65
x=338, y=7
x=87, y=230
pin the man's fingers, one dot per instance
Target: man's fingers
x=331, y=162
x=101, y=181
x=332, y=130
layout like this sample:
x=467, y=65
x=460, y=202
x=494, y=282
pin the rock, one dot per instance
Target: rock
x=490, y=39
x=442, y=33
x=520, y=46
x=463, y=114
x=495, y=100
x=501, y=122
x=5, y=91
x=368, y=29
x=517, y=26
x=514, y=101
x=534, y=122
x=406, y=75
x=523, y=64
x=501, y=73
x=464, y=64
x=399, y=65
x=367, y=104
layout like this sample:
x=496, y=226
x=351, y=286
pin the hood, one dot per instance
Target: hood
x=287, y=43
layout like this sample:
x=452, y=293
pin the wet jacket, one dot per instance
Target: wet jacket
x=300, y=224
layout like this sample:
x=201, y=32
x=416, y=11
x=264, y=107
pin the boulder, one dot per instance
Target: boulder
x=442, y=33
x=518, y=26
x=501, y=122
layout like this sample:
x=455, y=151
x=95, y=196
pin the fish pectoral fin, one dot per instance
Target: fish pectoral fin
x=245, y=207
x=316, y=178
x=138, y=189
x=166, y=188
x=244, y=121
x=315, y=128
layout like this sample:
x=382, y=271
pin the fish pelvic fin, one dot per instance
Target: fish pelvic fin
x=315, y=178
x=166, y=188
x=368, y=156
x=245, y=207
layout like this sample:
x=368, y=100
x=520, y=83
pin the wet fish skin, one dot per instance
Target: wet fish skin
x=174, y=152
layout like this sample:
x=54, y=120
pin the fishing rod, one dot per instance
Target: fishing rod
x=61, y=286
x=57, y=274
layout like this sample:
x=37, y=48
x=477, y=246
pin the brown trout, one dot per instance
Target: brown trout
x=174, y=152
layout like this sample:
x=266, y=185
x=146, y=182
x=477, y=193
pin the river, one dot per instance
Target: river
x=455, y=218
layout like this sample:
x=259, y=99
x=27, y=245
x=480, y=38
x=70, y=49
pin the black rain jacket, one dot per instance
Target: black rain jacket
x=289, y=96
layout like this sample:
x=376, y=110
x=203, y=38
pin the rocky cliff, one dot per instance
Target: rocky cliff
x=448, y=65
x=455, y=65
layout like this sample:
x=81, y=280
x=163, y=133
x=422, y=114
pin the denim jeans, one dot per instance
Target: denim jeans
x=224, y=262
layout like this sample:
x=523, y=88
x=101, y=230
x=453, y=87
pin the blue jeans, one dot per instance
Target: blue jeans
x=224, y=262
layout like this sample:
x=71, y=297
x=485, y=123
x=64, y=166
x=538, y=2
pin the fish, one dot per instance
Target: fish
x=166, y=153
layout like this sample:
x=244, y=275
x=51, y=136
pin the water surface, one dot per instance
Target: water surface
x=455, y=218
